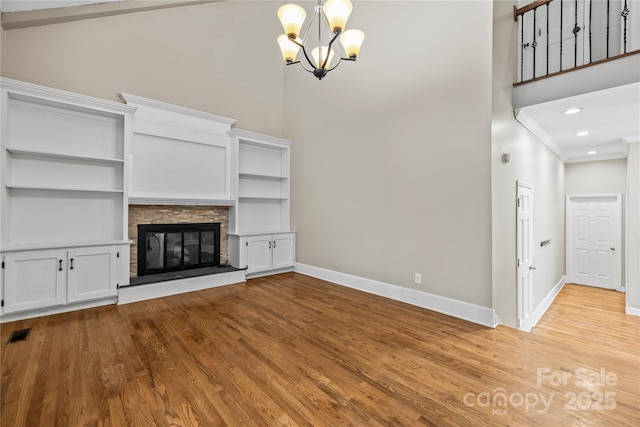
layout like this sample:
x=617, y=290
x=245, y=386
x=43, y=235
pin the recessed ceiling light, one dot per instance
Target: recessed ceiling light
x=592, y=152
x=582, y=133
x=573, y=110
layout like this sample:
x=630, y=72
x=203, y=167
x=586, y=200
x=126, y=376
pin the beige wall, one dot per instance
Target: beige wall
x=633, y=229
x=601, y=177
x=532, y=162
x=391, y=154
x=206, y=57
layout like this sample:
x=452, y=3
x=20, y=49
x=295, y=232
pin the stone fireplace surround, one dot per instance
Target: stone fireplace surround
x=175, y=214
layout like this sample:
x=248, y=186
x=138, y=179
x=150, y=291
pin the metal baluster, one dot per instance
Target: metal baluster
x=608, y=7
x=576, y=30
x=561, y=27
x=535, y=41
x=624, y=14
x=548, y=38
x=522, y=47
x=590, y=26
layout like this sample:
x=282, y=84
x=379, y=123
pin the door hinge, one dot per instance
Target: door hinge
x=518, y=202
x=519, y=323
x=518, y=263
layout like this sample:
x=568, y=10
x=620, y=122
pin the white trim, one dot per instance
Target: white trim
x=529, y=123
x=260, y=139
x=129, y=294
x=544, y=305
x=12, y=317
x=632, y=311
x=138, y=198
x=463, y=310
x=60, y=96
x=183, y=111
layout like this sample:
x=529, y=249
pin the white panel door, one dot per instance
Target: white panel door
x=92, y=273
x=34, y=280
x=525, y=254
x=283, y=250
x=259, y=254
x=594, y=230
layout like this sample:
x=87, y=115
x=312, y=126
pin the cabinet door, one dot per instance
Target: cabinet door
x=34, y=280
x=259, y=254
x=92, y=273
x=283, y=250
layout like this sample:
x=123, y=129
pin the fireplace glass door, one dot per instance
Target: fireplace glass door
x=174, y=247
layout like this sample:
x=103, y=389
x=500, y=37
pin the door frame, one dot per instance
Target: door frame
x=569, y=227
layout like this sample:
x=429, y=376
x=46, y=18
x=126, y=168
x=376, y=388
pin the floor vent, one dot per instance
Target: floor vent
x=20, y=335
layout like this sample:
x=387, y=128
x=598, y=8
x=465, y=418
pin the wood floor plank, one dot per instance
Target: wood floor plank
x=291, y=350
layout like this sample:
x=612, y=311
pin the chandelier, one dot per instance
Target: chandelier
x=331, y=17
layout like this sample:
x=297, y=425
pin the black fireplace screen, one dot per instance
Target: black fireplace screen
x=173, y=247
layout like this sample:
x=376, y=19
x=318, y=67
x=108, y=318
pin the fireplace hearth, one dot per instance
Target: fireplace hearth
x=167, y=248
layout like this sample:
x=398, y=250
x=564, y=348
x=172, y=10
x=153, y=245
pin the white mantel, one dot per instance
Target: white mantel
x=178, y=156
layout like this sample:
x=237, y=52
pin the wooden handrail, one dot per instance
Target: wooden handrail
x=517, y=12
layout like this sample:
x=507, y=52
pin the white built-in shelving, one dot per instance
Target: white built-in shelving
x=64, y=202
x=261, y=239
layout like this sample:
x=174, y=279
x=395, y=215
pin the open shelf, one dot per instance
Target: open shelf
x=262, y=177
x=89, y=190
x=49, y=154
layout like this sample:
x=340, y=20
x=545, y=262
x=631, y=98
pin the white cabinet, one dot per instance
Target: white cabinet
x=93, y=273
x=34, y=280
x=260, y=236
x=47, y=278
x=263, y=253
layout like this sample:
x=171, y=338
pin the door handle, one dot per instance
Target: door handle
x=531, y=267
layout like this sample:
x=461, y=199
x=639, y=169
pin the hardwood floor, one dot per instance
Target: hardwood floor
x=293, y=350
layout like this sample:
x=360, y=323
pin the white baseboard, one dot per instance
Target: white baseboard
x=544, y=306
x=148, y=291
x=632, y=310
x=12, y=317
x=463, y=310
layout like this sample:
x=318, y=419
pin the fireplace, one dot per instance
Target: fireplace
x=164, y=248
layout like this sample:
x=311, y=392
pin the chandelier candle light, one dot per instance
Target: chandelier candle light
x=331, y=15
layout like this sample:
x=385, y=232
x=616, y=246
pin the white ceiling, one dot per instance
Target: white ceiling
x=611, y=116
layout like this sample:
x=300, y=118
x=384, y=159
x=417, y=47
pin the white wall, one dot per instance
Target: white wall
x=600, y=177
x=390, y=161
x=633, y=229
x=221, y=58
x=532, y=162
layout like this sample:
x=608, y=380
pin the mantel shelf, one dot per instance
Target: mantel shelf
x=43, y=188
x=262, y=177
x=38, y=153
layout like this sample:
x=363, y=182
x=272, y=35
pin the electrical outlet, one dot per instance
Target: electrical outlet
x=418, y=279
